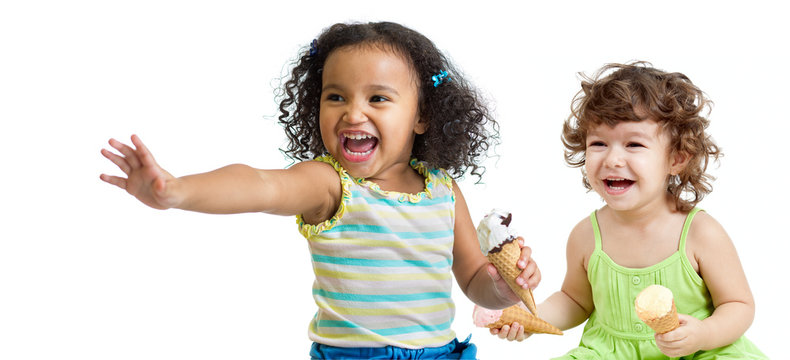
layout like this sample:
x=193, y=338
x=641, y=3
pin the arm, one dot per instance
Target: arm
x=573, y=304
x=723, y=274
x=308, y=188
x=477, y=278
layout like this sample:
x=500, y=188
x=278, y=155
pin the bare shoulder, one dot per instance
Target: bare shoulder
x=320, y=184
x=708, y=245
x=706, y=231
x=319, y=169
x=581, y=241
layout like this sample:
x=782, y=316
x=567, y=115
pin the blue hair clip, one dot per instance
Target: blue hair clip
x=313, y=47
x=440, y=78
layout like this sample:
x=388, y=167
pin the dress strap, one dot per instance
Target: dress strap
x=596, y=230
x=686, y=226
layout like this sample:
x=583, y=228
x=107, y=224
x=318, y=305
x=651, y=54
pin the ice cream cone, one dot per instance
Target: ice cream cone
x=656, y=307
x=505, y=263
x=664, y=323
x=498, y=318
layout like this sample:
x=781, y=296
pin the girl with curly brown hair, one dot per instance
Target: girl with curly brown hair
x=638, y=133
x=383, y=124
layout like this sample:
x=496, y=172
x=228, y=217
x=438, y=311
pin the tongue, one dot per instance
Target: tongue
x=362, y=145
x=620, y=183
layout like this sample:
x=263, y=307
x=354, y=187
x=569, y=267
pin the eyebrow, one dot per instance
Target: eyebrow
x=630, y=134
x=374, y=87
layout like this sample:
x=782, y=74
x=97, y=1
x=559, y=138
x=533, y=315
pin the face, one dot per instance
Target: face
x=628, y=165
x=369, y=110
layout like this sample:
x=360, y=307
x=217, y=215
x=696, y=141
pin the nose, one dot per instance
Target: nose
x=614, y=158
x=354, y=113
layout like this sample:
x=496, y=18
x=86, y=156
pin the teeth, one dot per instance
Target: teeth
x=358, y=136
x=360, y=153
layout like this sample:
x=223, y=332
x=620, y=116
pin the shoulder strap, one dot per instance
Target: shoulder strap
x=596, y=230
x=686, y=226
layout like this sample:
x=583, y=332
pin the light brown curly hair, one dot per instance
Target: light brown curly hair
x=635, y=92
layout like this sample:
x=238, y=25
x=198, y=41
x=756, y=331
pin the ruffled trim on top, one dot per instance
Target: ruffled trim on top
x=432, y=178
x=308, y=230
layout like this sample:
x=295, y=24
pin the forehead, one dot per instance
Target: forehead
x=644, y=129
x=366, y=63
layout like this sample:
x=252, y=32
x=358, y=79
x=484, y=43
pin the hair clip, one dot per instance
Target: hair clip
x=313, y=47
x=440, y=77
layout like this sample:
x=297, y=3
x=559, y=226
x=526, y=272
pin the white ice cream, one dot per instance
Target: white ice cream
x=654, y=301
x=490, y=232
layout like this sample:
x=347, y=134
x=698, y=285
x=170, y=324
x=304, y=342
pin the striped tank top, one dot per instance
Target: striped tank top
x=383, y=263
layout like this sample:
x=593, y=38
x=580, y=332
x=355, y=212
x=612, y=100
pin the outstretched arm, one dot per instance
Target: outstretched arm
x=308, y=188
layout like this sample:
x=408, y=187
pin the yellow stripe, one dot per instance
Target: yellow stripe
x=385, y=311
x=380, y=277
x=404, y=215
x=443, y=339
x=383, y=243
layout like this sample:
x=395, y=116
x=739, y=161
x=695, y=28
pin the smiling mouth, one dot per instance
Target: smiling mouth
x=359, y=144
x=618, y=184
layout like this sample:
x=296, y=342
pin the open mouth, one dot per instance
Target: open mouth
x=618, y=185
x=358, y=146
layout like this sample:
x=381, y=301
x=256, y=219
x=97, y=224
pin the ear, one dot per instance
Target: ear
x=678, y=162
x=421, y=126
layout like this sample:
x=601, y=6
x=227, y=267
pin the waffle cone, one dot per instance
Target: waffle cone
x=531, y=323
x=664, y=323
x=505, y=263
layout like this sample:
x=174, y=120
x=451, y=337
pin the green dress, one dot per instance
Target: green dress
x=613, y=330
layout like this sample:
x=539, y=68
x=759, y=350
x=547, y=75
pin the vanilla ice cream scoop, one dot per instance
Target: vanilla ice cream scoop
x=656, y=307
x=494, y=230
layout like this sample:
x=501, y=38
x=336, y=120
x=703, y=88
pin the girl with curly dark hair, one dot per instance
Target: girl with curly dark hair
x=639, y=134
x=384, y=123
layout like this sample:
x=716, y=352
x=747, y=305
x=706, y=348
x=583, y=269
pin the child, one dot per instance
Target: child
x=639, y=135
x=384, y=229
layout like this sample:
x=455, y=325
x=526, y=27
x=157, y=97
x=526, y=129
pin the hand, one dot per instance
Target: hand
x=145, y=180
x=528, y=279
x=686, y=339
x=513, y=332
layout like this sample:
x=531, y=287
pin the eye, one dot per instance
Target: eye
x=635, y=145
x=378, y=98
x=333, y=97
x=596, y=143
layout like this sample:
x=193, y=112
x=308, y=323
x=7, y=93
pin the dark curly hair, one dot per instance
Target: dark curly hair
x=460, y=128
x=634, y=92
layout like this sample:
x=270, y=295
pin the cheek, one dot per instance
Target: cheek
x=327, y=134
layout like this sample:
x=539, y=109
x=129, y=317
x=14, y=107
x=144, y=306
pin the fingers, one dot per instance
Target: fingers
x=513, y=332
x=144, y=155
x=127, y=152
x=117, y=160
x=114, y=180
x=492, y=272
x=530, y=275
x=534, y=278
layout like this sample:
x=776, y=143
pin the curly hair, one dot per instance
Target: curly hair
x=634, y=92
x=460, y=127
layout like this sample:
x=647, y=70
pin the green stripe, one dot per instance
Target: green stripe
x=387, y=332
x=382, y=298
x=386, y=230
x=380, y=263
x=391, y=202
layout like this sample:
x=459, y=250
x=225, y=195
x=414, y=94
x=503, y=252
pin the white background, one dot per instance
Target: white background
x=87, y=272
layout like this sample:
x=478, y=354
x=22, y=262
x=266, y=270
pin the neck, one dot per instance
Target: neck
x=644, y=216
x=401, y=177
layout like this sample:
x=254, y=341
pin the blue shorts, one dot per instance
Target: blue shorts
x=453, y=350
